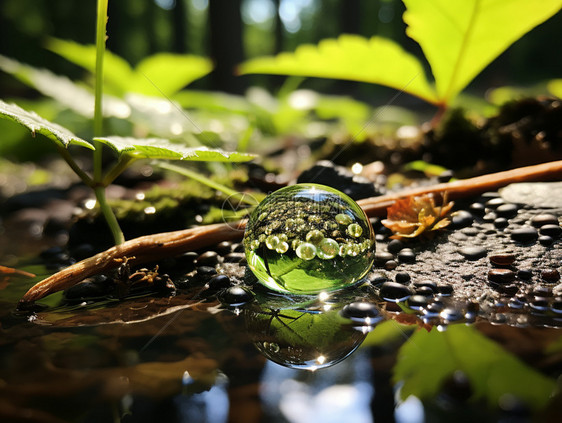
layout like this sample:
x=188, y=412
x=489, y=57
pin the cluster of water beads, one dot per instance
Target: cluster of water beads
x=307, y=238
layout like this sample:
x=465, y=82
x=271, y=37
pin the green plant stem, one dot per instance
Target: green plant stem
x=74, y=166
x=109, y=216
x=98, y=111
x=204, y=180
x=123, y=163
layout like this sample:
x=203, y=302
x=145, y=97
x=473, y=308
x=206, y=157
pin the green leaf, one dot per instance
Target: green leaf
x=427, y=359
x=376, y=60
x=117, y=72
x=167, y=73
x=162, y=74
x=68, y=93
x=36, y=124
x=460, y=38
x=158, y=148
x=555, y=87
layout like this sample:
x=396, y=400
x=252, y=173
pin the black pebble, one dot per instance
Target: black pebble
x=206, y=271
x=223, y=248
x=395, y=246
x=406, y=255
x=426, y=291
x=360, y=310
x=501, y=276
x=187, y=260
x=417, y=302
x=544, y=219
x=477, y=208
x=505, y=259
x=381, y=257
x=238, y=248
x=218, y=282
x=550, y=275
x=445, y=176
x=235, y=296
x=546, y=240
x=553, y=231
x=495, y=202
x=445, y=289
x=473, y=253
x=507, y=210
x=402, y=277
x=501, y=222
x=461, y=219
x=394, y=291
x=525, y=235
x=390, y=265
x=234, y=257
x=208, y=258
x=97, y=286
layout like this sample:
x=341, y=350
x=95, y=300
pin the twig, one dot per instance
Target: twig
x=153, y=247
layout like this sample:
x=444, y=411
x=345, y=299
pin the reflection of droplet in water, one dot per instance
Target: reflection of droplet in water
x=307, y=238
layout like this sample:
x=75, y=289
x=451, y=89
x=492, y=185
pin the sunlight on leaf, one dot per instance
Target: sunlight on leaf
x=429, y=358
x=157, y=148
x=36, y=124
x=555, y=87
x=459, y=39
x=62, y=89
x=162, y=74
x=376, y=60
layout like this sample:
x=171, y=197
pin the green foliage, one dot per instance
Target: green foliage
x=429, y=358
x=157, y=148
x=161, y=74
x=458, y=39
x=37, y=125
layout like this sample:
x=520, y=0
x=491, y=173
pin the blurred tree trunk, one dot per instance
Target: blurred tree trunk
x=350, y=15
x=225, y=23
x=179, y=28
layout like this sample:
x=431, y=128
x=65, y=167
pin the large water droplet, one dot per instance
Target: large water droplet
x=308, y=238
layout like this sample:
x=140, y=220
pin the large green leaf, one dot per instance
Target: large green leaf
x=160, y=74
x=158, y=148
x=167, y=73
x=351, y=57
x=427, y=359
x=37, y=125
x=68, y=93
x=460, y=38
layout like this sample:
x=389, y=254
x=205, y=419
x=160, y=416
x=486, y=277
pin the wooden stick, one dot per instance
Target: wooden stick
x=154, y=247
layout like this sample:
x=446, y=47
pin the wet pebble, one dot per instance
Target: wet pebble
x=524, y=235
x=223, y=248
x=208, y=258
x=391, y=265
x=506, y=259
x=94, y=287
x=495, y=202
x=473, y=252
x=426, y=284
x=360, y=310
x=187, y=260
x=406, y=255
x=489, y=217
x=461, y=219
x=235, y=296
x=395, y=246
x=219, y=282
x=394, y=291
x=556, y=306
x=544, y=219
x=546, y=240
x=451, y=314
x=553, y=231
x=417, y=302
x=402, y=277
x=234, y=257
x=550, y=275
x=501, y=276
x=206, y=271
x=445, y=289
x=471, y=231
x=381, y=257
x=501, y=222
x=425, y=291
x=238, y=248
x=477, y=208
x=507, y=210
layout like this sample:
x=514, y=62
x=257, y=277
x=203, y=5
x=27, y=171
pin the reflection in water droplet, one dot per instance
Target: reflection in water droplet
x=308, y=238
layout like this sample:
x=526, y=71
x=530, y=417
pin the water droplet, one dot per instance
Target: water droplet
x=291, y=248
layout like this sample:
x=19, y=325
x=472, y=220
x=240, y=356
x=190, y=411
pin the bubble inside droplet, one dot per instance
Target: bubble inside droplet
x=308, y=238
